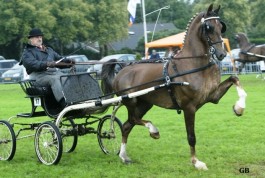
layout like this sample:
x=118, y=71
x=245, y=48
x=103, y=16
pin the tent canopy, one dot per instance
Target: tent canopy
x=176, y=40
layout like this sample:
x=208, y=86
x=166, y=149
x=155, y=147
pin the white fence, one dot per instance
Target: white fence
x=227, y=68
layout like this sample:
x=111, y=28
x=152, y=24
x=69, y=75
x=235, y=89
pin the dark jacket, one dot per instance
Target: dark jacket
x=155, y=56
x=35, y=60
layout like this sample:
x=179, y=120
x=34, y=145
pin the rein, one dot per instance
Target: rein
x=252, y=54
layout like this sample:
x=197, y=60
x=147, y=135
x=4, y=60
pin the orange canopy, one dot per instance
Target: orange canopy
x=176, y=40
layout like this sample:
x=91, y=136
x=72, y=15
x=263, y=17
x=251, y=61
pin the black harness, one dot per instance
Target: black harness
x=170, y=84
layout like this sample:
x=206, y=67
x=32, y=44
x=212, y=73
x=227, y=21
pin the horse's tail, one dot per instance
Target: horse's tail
x=107, y=76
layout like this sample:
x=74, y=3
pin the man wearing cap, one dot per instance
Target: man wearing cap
x=40, y=63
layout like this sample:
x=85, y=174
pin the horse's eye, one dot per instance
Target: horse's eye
x=209, y=28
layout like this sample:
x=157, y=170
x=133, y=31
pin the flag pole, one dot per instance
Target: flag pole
x=145, y=30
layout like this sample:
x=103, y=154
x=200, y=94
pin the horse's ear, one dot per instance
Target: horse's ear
x=210, y=8
x=217, y=10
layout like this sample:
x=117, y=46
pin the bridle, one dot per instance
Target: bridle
x=206, y=29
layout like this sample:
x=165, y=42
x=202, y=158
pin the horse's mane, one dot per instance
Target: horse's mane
x=188, y=27
x=161, y=60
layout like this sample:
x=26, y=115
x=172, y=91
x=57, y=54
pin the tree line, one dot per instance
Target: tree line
x=70, y=24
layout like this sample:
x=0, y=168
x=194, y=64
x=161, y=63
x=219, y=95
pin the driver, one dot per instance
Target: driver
x=40, y=63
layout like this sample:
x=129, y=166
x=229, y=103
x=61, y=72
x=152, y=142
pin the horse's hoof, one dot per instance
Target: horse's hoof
x=127, y=162
x=155, y=135
x=200, y=165
x=239, y=112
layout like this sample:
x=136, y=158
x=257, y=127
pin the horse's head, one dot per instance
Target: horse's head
x=212, y=28
x=242, y=40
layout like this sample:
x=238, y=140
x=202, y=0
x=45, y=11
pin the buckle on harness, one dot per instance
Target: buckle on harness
x=168, y=81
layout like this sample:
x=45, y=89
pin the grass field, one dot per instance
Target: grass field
x=225, y=142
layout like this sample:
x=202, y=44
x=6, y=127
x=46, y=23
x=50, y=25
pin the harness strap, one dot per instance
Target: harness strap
x=170, y=88
x=161, y=79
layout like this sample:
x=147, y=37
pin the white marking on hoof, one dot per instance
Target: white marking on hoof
x=152, y=129
x=123, y=155
x=200, y=165
x=241, y=102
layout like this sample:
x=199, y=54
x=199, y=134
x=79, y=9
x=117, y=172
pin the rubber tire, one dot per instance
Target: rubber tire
x=55, y=133
x=103, y=138
x=13, y=141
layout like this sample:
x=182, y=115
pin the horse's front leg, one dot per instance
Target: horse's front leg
x=224, y=87
x=189, y=122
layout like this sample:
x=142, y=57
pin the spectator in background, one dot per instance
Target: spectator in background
x=154, y=55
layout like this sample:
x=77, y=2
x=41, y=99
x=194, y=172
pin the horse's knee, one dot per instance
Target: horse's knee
x=234, y=80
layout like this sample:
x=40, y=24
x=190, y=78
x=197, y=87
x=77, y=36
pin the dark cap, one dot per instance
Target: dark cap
x=35, y=32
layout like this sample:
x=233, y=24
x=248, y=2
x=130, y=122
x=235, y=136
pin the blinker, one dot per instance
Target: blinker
x=224, y=27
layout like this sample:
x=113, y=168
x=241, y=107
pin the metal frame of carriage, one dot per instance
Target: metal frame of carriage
x=60, y=134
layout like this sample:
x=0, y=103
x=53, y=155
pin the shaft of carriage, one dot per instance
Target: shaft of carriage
x=111, y=101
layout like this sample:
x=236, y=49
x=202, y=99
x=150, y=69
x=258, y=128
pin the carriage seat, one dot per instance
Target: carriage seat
x=40, y=96
x=32, y=89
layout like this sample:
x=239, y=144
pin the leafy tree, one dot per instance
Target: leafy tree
x=72, y=22
x=110, y=22
x=17, y=18
x=178, y=13
x=257, y=28
x=62, y=22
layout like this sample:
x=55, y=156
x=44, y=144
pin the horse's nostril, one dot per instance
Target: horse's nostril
x=222, y=56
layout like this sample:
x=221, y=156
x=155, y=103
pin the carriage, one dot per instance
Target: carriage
x=50, y=139
x=60, y=134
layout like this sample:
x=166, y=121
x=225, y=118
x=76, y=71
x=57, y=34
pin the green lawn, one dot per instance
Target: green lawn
x=225, y=142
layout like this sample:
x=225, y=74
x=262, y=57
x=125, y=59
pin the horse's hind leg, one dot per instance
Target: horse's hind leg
x=135, y=114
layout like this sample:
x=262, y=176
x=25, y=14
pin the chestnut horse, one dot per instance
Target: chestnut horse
x=249, y=52
x=196, y=64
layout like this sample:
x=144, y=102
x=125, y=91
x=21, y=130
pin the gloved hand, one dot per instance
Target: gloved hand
x=70, y=61
x=51, y=64
x=63, y=65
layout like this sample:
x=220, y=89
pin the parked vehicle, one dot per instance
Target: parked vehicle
x=6, y=65
x=78, y=68
x=15, y=74
x=2, y=58
x=120, y=57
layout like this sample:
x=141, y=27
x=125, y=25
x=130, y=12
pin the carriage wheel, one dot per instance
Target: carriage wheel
x=109, y=135
x=69, y=135
x=7, y=141
x=48, y=143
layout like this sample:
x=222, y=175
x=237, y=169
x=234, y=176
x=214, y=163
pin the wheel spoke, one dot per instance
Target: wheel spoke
x=7, y=141
x=109, y=135
x=48, y=144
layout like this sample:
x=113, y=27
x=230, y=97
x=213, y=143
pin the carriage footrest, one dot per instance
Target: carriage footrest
x=35, y=114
